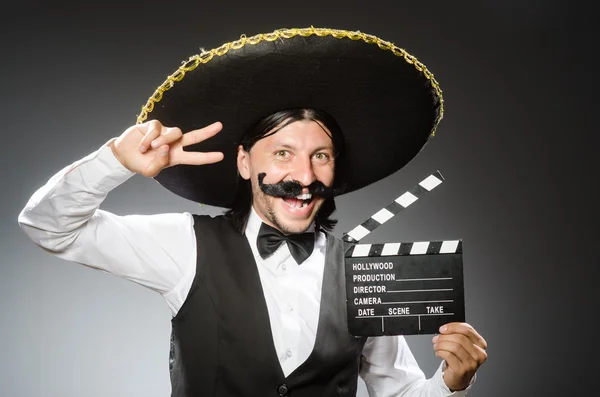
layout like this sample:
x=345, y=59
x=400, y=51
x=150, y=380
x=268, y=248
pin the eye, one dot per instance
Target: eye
x=322, y=156
x=282, y=153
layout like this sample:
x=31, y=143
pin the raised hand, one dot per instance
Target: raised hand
x=464, y=351
x=150, y=147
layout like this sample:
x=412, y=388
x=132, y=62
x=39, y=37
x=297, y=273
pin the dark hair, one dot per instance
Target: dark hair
x=242, y=202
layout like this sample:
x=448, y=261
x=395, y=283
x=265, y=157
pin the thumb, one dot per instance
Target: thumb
x=160, y=161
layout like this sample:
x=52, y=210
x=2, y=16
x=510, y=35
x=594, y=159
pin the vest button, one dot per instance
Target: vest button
x=282, y=390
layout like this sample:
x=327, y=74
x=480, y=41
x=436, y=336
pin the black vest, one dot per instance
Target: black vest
x=222, y=343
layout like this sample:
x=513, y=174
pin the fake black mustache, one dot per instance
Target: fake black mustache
x=291, y=189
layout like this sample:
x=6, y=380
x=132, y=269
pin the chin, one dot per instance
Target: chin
x=294, y=227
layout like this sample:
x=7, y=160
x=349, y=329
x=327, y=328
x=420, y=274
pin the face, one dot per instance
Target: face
x=301, y=151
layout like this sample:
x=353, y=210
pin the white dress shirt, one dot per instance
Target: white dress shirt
x=159, y=252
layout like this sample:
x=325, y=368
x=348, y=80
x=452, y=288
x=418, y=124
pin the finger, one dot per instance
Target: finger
x=195, y=136
x=457, y=350
x=476, y=352
x=152, y=130
x=464, y=329
x=459, y=360
x=454, y=364
x=169, y=135
x=160, y=161
x=195, y=158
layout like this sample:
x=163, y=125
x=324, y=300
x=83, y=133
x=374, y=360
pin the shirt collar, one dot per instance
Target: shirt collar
x=253, y=224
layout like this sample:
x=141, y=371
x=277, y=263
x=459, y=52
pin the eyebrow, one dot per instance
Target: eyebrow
x=288, y=146
x=283, y=145
x=329, y=147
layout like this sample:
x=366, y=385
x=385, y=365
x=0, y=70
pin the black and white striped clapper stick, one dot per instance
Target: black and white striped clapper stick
x=411, y=248
x=386, y=213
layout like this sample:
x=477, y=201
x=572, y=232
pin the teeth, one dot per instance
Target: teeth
x=304, y=196
x=297, y=205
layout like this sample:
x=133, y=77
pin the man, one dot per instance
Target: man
x=257, y=295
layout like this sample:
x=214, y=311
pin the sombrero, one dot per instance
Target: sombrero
x=386, y=102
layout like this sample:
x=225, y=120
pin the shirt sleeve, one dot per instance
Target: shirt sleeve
x=389, y=369
x=63, y=218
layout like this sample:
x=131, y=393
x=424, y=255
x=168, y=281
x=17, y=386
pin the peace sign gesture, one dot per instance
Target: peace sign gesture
x=150, y=147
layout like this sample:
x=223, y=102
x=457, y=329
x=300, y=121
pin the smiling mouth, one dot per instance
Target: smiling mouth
x=300, y=201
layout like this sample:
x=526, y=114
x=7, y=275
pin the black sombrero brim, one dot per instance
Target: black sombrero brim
x=387, y=103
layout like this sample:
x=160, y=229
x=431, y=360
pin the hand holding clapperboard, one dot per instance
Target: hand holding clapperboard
x=402, y=288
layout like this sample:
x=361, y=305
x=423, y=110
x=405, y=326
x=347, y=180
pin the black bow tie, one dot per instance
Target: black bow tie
x=300, y=244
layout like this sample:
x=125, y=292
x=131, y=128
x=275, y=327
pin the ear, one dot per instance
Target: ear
x=243, y=162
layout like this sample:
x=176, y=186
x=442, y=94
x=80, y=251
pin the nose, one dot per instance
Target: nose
x=303, y=171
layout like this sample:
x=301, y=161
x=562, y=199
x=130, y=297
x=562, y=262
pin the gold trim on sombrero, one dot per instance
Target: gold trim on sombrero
x=204, y=57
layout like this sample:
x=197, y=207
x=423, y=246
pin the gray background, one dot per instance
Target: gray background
x=516, y=148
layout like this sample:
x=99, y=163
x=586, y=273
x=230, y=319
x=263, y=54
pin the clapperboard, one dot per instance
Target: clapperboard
x=402, y=288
